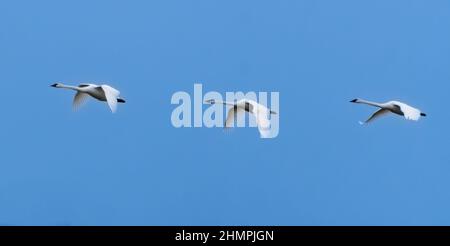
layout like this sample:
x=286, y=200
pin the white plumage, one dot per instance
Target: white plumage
x=395, y=107
x=260, y=112
x=104, y=93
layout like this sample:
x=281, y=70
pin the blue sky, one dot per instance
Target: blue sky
x=59, y=167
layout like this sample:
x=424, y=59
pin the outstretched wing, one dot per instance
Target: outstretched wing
x=232, y=113
x=262, y=119
x=376, y=115
x=111, y=95
x=409, y=112
x=79, y=100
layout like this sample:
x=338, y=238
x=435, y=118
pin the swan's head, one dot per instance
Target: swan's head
x=273, y=112
x=56, y=85
x=355, y=101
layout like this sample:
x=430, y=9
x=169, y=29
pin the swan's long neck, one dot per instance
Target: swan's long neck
x=75, y=88
x=375, y=104
x=222, y=102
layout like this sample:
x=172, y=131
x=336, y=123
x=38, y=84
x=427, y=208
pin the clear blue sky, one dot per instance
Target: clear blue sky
x=59, y=167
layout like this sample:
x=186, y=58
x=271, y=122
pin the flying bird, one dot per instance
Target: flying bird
x=104, y=93
x=260, y=112
x=395, y=107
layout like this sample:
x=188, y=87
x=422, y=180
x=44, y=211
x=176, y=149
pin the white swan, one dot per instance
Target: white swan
x=395, y=107
x=99, y=92
x=260, y=112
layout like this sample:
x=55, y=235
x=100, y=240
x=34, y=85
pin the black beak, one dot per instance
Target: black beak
x=354, y=100
x=273, y=112
x=54, y=85
x=120, y=100
x=423, y=114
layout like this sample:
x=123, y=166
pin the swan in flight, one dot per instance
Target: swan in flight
x=100, y=92
x=260, y=112
x=395, y=107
